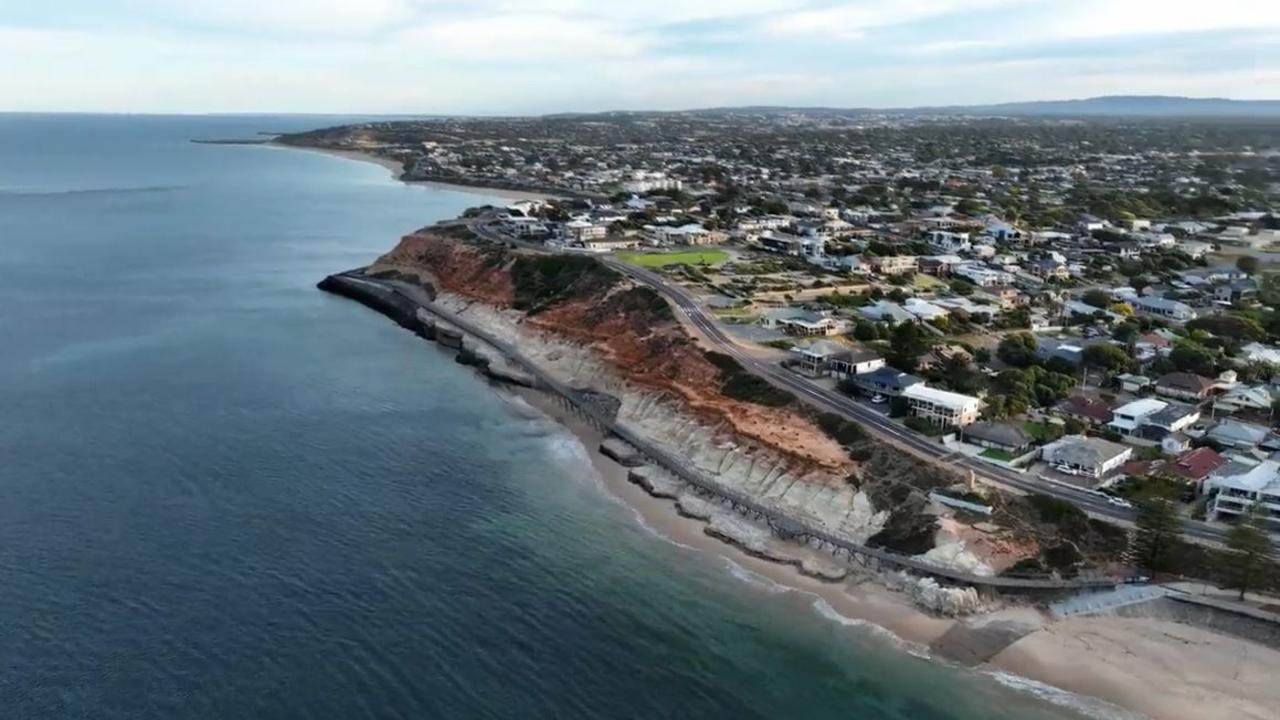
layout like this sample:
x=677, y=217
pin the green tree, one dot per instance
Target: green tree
x=906, y=345
x=1193, y=357
x=1106, y=356
x=1251, y=551
x=1156, y=532
x=1248, y=264
x=1097, y=297
x=1017, y=349
x=865, y=331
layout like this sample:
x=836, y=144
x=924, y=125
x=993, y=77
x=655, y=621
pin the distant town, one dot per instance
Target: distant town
x=1086, y=302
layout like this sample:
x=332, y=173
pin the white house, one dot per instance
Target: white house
x=1237, y=487
x=1087, y=456
x=983, y=276
x=1161, y=307
x=949, y=242
x=942, y=407
x=1127, y=418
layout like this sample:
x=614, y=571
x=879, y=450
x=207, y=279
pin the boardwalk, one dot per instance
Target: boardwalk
x=404, y=297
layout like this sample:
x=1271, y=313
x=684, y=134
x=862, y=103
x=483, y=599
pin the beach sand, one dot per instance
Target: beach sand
x=1156, y=668
x=396, y=171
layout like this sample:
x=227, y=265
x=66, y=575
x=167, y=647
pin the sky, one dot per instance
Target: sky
x=542, y=56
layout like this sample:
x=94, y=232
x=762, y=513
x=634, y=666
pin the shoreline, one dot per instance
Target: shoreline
x=397, y=171
x=1061, y=662
x=1086, y=663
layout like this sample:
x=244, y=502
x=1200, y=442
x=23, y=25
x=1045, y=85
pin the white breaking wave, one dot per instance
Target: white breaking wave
x=823, y=608
x=1091, y=707
x=753, y=578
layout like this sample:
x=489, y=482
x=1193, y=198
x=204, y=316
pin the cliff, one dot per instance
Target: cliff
x=632, y=328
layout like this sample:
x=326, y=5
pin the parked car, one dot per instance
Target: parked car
x=878, y=399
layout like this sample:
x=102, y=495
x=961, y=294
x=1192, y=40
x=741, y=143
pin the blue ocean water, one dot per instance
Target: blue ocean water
x=225, y=494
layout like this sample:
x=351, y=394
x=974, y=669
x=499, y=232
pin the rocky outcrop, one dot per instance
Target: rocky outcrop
x=622, y=453
x=928, y=594
x=656, y=482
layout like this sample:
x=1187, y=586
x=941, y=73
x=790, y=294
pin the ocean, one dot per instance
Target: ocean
x=226, y=494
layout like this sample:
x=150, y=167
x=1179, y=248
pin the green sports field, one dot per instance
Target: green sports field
x=690, y=257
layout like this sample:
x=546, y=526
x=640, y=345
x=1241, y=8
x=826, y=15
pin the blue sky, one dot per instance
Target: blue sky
x=534, y=56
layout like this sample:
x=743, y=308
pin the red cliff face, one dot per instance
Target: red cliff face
x=453, y=267
x=630, y=327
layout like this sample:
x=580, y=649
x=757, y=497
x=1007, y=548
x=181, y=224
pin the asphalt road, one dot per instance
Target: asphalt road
x=851, y=409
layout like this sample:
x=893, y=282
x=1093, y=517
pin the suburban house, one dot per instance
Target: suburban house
x=583, y=230
x=856, y=362
x=1127, y=418
x=942, y=407
x=886, y=311
x=1160, y=307
x=1257, y=398
x=1088, y=410
x=893, y=264
x=1050, y=270
x=817, y=358
x=809, y=324
x=886, y=381
x=1012, y=439
x=1194, y=465
x=1243, y=436
x=948, y=242
x=1237, y=487
x=1185, y=386
x=982, y=276
x=1088, y=456
x=1170, y=420
x=1131, y=383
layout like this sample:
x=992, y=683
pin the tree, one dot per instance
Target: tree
x=1251, y=551
x=906, y=345
x=1193, y=357
x=1073, y=426
x=865, y=331
x=1106, y=356
x=1248, y=264
x=1156, y=534
x=1017, y=349
x=1097, y=297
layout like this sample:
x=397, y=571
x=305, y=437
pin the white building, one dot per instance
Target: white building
x=1161, y=307
x=949, y=242
x=983, y=276
x=1087, y=456
x=582, y=230
x=942, y=407
x=1237, y=487
x=1127, y=418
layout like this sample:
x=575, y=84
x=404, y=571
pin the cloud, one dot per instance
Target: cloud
x=851, y=20
x=522, y=38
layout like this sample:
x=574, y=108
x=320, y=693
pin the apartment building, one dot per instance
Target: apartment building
x=1237, y=487
x=942, y=407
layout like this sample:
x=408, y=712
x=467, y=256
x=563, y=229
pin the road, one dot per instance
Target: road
x=851, y=409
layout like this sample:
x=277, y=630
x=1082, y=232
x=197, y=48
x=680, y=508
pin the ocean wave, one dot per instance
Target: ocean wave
x=753, y=578
x=824, y=609
x=1090, y=707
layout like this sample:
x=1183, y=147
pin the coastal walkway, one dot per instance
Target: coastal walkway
x=402, y=300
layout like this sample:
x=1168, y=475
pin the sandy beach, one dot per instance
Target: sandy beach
x=396, y=170
x=1106, y=666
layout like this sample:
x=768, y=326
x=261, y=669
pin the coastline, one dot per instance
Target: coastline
x=397, y=171
x=1102, y=666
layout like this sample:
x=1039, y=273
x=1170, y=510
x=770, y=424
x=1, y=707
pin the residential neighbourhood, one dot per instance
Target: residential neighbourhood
x=1052, y=310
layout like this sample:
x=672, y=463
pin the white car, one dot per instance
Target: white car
x=1119, y=502
x=878, y=399
x=1066, y=470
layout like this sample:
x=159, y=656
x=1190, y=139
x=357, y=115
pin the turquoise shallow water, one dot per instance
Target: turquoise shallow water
x=225, y=494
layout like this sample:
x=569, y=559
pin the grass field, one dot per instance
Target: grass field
x=689, y=257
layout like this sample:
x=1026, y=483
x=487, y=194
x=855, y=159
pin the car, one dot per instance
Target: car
x=1066, y=470
x=878, y=399
x=1119, y=502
